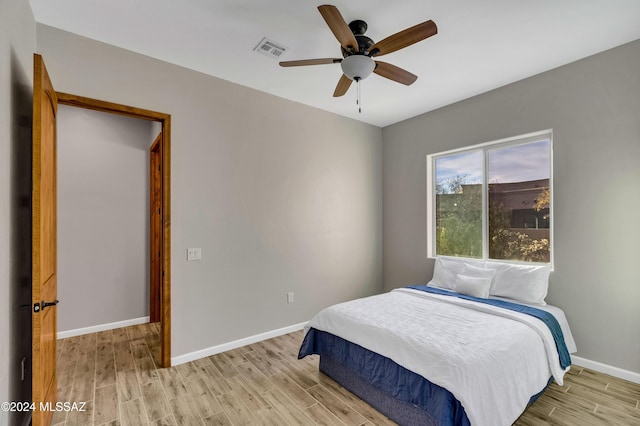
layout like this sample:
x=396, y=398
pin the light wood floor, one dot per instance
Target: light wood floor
x=265, y=383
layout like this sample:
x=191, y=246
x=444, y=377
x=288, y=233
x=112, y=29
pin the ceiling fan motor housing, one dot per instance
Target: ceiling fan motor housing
x=358, y=28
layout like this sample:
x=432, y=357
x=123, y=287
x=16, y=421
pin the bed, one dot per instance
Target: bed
x=453, y=352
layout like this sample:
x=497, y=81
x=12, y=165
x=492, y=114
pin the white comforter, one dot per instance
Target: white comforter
x=491, y=359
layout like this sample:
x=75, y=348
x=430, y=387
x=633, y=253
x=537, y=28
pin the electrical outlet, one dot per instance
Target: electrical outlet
x=290, y=297
x=194, y=254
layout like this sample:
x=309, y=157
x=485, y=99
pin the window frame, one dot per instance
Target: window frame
x=484, y=148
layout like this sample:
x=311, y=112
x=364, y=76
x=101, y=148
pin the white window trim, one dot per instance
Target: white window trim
x=501, y=143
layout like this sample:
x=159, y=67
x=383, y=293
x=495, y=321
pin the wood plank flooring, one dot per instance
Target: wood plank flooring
x=265, y=384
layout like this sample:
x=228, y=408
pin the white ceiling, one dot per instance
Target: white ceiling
x=480, y=45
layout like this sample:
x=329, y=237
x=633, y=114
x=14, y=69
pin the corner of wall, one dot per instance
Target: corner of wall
x=17, y=44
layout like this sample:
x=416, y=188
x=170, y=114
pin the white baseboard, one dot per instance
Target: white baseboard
x=606, y=369
x=102, y=327
x=192, y=356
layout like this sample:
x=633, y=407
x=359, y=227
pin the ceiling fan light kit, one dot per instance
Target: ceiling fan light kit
x=359, y=50
x=357, y=67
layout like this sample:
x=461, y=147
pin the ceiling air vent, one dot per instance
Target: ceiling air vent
x=270, y=48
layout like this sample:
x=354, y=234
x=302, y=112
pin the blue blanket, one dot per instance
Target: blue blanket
x=546, y=317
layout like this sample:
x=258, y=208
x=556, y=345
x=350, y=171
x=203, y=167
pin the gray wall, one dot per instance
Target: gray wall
x=103, y=218
x=593, y=107
x=17, y=44
x=280, y=196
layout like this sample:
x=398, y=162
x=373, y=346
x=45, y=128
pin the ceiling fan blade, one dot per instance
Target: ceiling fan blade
x=404, y=38
x=342, y=87
x=303, y=62
x=339, y=27
x=394, y=73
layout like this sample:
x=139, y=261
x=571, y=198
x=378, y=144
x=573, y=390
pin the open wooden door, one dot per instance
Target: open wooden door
x=44, y=245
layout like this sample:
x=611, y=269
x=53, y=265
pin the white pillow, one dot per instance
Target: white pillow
x=474, y=271
x=445, y=270
x=472, y=286
x=524, y=283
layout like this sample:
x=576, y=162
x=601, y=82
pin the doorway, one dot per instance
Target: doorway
x=160, y=243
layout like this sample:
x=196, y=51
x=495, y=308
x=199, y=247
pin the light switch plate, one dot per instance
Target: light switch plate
x=194, y=253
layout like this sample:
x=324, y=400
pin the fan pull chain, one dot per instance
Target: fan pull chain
x=358, y=100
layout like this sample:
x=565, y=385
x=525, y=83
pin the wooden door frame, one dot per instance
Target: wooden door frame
x=155, y=229
x=165, y=121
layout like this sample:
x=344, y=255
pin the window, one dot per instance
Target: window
x=492, y=201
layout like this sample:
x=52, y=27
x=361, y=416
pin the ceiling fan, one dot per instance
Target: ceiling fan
x=359, y=50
